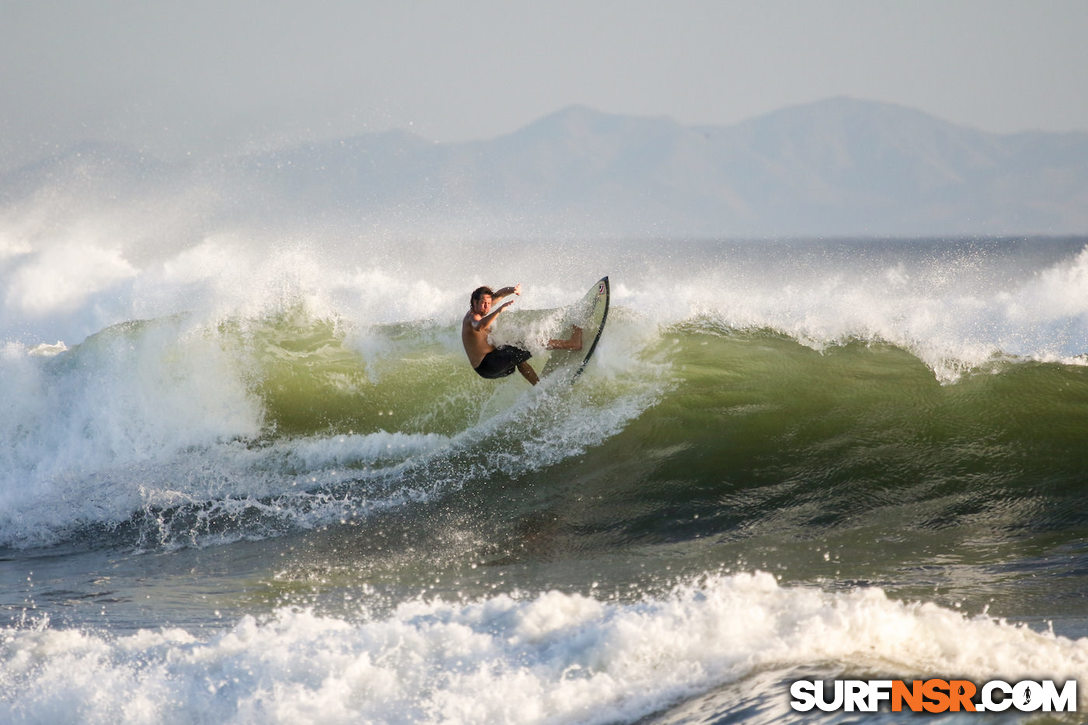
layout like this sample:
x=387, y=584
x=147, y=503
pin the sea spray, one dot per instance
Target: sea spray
x=228, y=448
x=546, y=657
x=160, y=422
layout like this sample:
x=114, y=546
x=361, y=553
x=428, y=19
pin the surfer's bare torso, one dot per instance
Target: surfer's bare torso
x=476, y=325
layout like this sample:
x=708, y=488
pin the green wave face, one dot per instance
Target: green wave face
x=313, y=377
x=735, y=427
x=691, y=442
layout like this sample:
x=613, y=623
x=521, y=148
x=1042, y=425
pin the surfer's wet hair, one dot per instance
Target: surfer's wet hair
x=478, y=293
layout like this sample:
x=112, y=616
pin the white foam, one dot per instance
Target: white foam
x=352, y=449
x=550, y=657
x=46, y=350
x=160, y=419
x=955, y=313
x=62, y=277
x=955, y=307
x=11, y=246
x=85, y=432
x=87, y=437
x=161, y=415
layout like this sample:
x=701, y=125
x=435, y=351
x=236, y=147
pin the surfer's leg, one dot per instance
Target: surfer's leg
x=528, y=373
x=572, y=343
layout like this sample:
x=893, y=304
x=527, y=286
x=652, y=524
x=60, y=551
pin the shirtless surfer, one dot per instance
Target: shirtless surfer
x=498, y=362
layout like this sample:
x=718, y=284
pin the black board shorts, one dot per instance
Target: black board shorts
x=502, y=361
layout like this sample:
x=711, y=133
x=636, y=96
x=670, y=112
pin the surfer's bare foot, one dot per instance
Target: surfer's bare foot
x=574, y=343
x=576, y=339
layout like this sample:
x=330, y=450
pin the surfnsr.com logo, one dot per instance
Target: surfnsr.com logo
x=933, y=696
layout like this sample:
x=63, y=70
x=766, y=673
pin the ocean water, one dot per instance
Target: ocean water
x=251, y=479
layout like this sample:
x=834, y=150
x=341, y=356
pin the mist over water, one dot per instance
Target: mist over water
x=249, y=473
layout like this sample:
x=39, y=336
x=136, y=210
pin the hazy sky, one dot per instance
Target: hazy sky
x=199, y=76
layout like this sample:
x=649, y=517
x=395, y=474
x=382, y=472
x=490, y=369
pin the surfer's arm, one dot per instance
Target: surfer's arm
x=506, y=292
x=484, y=323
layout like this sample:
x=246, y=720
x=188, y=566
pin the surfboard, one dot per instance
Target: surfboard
x=590, y=313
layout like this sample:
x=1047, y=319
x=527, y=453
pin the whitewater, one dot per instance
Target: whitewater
x=249, y=477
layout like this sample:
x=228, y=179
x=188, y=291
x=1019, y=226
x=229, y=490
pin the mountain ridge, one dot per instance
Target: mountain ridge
x=840, y=166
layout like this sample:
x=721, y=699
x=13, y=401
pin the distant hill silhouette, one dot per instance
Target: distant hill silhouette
x=836, y=167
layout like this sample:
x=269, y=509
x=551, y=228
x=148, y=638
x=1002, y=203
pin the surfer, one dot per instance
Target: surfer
x=498, y=362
